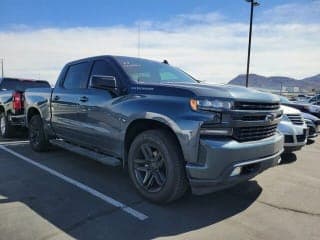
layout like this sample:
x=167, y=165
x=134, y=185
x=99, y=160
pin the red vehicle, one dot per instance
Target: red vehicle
x=12, y=103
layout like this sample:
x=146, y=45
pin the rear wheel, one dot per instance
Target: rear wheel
x=156, y=166
x=37, y=137
x=5, y=127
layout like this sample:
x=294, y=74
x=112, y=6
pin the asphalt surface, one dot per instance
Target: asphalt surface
x=282, y=203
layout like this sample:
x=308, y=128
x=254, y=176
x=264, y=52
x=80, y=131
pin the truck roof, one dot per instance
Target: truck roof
x=105, y=57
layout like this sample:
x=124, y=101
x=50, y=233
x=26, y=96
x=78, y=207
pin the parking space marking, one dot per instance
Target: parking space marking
x=80, y=185
x=14, y=142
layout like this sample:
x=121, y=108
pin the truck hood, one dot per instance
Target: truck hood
x=213, y=91
x=289, y=110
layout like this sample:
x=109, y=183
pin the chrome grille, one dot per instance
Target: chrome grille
x=256, y=106
x=296, y=119
x=254, y=133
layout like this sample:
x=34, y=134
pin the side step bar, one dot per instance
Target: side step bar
x=105, y=159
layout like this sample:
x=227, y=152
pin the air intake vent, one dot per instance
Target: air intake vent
x=254, y=133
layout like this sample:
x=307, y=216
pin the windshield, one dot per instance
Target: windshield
x=284, y=100
x=147, y=71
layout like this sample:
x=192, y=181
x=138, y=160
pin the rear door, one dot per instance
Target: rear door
x=101, y=125
x=66, y=101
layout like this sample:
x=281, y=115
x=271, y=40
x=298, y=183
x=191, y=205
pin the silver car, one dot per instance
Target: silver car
x=294, y=129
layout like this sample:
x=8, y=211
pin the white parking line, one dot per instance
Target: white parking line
x=80, y=185
x=14, y=142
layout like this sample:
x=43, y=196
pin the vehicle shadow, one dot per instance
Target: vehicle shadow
x=195, y=212
x=288, y=158
x=17, y=135
x=187, y=214
x=310, y=141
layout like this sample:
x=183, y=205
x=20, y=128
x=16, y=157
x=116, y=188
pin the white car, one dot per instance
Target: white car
x=294, y=129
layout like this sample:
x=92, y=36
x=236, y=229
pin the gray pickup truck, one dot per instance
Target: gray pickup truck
x=12, y=114
x=169, y=130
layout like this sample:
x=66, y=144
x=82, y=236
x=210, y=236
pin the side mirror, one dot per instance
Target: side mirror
x=103, y=82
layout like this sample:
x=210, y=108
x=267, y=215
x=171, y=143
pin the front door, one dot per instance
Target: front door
x=66, y=120
x=101, y=122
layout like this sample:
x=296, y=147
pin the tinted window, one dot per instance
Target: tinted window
x=142, y=70
x=103, y=68
x=9, y=84
x=77, y=76
x=34, y=84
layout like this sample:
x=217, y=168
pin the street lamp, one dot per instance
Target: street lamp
x=2, y=67
x=253, y=4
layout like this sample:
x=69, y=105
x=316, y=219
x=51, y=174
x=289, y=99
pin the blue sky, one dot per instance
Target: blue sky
x=100, y=13
x=206, y=38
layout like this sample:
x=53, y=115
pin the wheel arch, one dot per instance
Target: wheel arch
x=32, y=111
x=140, y=125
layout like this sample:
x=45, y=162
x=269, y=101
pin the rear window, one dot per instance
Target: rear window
x=9, y=84
x=21, y=85
x=31, y=84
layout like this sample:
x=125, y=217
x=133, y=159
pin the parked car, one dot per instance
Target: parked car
x=303, y=98
x=294, y=129
x=303, y=107
x=171, y=131
x=313, y=124
x=12, y=103
x=315, y=100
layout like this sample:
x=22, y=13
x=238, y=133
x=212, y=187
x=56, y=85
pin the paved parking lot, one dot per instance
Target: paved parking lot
x=61, y=195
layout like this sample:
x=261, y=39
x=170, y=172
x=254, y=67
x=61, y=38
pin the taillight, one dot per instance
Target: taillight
x=17, y=101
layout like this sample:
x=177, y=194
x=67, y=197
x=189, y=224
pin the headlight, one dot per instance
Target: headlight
x=285, y=118
x=210, y=105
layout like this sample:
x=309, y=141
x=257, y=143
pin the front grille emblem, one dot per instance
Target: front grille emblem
x=270, y=118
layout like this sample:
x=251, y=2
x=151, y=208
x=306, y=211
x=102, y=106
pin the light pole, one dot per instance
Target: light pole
x=253, y=4
x=2, y=67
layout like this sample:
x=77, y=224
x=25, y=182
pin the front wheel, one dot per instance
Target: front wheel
x=156, y=166
x=37, y=136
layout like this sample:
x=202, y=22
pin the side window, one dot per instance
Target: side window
x=102, y=68
x=168, y=76
x=77, y=76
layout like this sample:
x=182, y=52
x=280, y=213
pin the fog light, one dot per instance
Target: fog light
x=236, y=171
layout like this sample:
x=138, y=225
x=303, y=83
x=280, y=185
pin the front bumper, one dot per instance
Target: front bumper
x=295, y=136
x=218, y=158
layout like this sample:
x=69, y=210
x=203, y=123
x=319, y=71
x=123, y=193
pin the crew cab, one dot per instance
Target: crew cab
x=169, y=130
x=12, y=103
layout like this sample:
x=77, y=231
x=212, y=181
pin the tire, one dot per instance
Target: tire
x=37, y=137
x=156, y=166
x=5, y=128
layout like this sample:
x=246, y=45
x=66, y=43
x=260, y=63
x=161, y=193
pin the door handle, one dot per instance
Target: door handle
x=56, y=98
x=84, y=99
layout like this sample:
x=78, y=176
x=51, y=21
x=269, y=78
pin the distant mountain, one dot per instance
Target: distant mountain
x=274, y=83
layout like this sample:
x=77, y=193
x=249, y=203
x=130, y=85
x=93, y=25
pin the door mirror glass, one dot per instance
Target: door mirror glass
x=103, y=82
